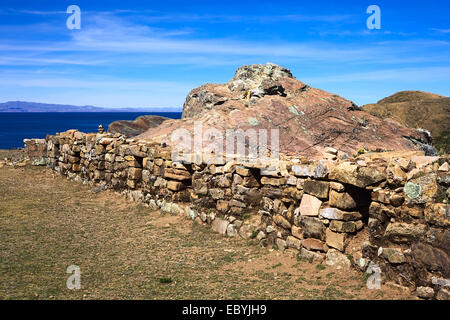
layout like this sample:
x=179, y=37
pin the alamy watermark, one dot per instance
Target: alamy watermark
x=374, y=21
x=74, y=281
x=74, y=20
x=374, y=280
x=215, y=146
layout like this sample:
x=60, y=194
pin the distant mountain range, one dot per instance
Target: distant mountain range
x=24, y=106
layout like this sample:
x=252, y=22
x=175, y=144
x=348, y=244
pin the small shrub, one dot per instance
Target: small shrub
x=165, y=280
x=320, y=267
x=277, y=265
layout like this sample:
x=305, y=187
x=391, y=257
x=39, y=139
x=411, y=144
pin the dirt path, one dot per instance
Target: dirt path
x=125, y=251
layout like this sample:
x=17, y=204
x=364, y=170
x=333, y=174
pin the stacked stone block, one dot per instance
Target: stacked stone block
x=312, y=208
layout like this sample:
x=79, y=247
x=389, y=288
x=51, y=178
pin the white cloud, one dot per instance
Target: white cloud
x=444, y=31
x=110, y=39
x=433, y=74
x=108, y=43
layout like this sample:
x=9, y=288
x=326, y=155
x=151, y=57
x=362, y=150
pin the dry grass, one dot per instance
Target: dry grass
x=125, y=251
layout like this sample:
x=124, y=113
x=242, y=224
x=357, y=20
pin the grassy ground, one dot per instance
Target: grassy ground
x=124, y=251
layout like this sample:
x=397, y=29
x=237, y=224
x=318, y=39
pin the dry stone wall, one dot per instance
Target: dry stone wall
x=384, y=211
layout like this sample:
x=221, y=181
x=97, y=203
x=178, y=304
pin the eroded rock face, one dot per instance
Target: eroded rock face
x=309, y=120
x=136, y=127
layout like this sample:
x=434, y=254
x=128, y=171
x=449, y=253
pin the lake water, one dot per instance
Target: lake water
x=14, y=127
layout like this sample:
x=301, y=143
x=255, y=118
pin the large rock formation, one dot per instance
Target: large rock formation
x=417, y=109
x=136, y=127
x=309, y=120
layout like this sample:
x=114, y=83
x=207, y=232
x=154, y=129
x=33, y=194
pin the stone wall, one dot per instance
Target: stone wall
x=387, y=211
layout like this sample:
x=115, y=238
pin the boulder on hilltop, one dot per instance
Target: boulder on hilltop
x=309, y=120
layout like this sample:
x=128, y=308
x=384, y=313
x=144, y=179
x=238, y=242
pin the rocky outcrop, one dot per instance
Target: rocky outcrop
x=309, y=120
x=417, y=109
x=136, y=127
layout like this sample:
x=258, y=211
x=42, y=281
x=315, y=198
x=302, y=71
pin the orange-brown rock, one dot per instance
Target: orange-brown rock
x=309, y=120
x=136, y=127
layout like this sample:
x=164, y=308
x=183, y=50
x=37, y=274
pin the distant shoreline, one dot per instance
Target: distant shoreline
x=16, y=126
x=38, y=107
x=90, y=111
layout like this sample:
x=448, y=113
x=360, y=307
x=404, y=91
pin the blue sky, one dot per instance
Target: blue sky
x=152, y=53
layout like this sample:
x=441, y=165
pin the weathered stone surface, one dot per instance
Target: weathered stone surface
x=281, y=244
x=175, y=185
x=380, y=212
x=337, y=259
x=171, y=208
x=440, y=282
x=131, y=184
x=297, y=232
x=444, y=179
x=293, y=242
x=438, y=214
x=422, y=190
x=309, y=206
x=232, y=230
x=425, y=292
x=433, y=259
x=303, y=170
x=396, y=174
x=316, y=188
x=393, y=255
x=217, y=194
x=322, y=169
x=222, y=205
x=350, y=173
x=246, y=231
x=336, y=240
x=99, y=175
x=300, y=183
x=404, y=233
x=312, y=228
x=292, y=193
x=136, y=127
x=245, y=172
x=176, y=174
x=224, y=181
x=220, y=225
x=339, y=187
x=250, y=182
x=344, y=226
x=445, y=167
x=443, y=294
x=200, y=187
x=160, y=182
x=273, y=181
x=282, y=222
x=311, y=256
x=381, y=195
x=134, y=173
x=396, y=200
x=336, y=214
x=342, y=200
x=314, y=244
